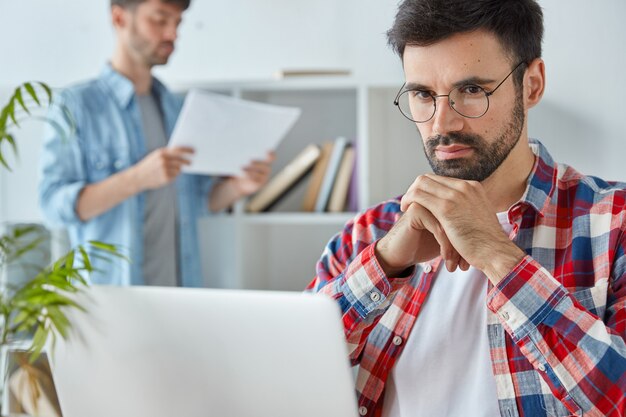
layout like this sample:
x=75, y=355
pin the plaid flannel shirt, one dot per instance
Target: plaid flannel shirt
x=557, y=321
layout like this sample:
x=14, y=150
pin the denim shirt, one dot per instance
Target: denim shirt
x=109, y=138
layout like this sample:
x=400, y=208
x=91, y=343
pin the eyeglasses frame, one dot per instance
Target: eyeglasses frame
x=396, y=101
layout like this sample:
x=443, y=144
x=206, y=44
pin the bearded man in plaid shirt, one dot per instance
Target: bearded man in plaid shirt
x=496, y=285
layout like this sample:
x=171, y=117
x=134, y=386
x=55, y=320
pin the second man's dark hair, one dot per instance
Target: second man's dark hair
x=518, y=24
x=183, y=4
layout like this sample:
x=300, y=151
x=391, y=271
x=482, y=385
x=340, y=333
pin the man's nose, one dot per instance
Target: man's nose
x=171, y=32
x=446, y=119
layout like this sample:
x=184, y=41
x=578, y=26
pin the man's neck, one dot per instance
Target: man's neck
x=138, y=73
x=507, y=185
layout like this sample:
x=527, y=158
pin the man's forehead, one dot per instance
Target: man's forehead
x=459, y=56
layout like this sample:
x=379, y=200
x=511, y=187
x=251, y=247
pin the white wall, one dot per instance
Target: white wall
x=219, y=39
x=582, y=117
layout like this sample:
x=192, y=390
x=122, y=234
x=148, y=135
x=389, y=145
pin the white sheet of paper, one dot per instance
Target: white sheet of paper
x=228, y=133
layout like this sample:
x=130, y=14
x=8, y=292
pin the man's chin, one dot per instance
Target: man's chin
x=456, y=168
x=160, y=59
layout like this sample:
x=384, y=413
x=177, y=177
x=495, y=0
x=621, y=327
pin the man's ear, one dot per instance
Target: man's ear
x=534, y=82
x=118, y=16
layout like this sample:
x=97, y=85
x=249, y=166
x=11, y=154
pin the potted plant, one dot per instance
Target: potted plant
x=34, y=311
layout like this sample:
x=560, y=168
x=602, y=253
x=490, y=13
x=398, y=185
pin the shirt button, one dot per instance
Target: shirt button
x=427, y=268
x=362, y=410
x=505, y=316
x=541, y=367
x=397, y=340
x=118, y=164
x=375, y=296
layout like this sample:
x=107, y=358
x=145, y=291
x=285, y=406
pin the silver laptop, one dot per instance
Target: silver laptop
x=163, y=352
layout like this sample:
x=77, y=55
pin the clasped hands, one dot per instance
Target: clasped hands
x=452, y=218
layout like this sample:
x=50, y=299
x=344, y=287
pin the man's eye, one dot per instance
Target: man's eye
x=158, y=20
x=471, y=90
x=420, y=95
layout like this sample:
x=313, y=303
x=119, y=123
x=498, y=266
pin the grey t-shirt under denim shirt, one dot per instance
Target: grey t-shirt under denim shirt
x=160, y=263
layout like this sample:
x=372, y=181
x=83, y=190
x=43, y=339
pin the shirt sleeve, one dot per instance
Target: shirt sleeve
x=349, y=272
x=575, y=341
x=61, y=171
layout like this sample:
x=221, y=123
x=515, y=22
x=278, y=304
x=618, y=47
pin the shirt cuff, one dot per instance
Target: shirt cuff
x=68, y=200
x=525, y=297
x=365, y=285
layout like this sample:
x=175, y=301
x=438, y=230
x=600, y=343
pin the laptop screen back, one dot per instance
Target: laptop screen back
x=162, y=352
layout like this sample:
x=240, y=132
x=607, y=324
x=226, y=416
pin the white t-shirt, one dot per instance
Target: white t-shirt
x=445, y=367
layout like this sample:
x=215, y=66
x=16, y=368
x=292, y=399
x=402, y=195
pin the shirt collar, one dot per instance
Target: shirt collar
x=122, y=88
x=542, y=181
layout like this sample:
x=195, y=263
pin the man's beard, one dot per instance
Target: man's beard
x=487, y=157
x=144, y=49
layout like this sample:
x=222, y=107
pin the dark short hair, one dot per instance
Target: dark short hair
x=184, y=4
x=518, y=24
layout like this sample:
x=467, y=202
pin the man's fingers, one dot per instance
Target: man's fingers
x=180, y=150
x=257, y=168
x=464, y=265
x=427, y=220
x=260, y=167
x=175, y=160
x=180, y=154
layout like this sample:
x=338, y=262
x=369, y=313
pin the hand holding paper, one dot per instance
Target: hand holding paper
x=255, y=175
x=228, y=133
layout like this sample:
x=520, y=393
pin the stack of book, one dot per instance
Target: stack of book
x=331, y=168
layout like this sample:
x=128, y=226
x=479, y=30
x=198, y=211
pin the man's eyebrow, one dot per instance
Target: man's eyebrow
x=469, y=80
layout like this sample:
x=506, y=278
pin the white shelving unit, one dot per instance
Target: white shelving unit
x=278, y=250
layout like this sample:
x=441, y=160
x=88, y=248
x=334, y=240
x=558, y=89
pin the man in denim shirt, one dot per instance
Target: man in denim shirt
x=116, y=181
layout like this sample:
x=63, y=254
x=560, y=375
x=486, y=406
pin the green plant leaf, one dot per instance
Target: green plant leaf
x=4, y=116
x=33, y=94
x=104, y=246
x=27, y=248
x=18, y=96
x=69, y=260
x=11, y=111
x=39, y=306
x=85, y=258
x=9, y=138
x=24, y=230
x=59, y=321
x=39, y=342
x=47, y=90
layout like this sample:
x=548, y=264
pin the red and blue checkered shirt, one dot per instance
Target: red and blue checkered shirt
x=557, y=321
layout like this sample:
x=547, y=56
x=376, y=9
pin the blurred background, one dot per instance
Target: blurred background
x=242, y=43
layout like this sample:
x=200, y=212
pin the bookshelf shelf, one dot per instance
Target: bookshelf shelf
x=277, y=250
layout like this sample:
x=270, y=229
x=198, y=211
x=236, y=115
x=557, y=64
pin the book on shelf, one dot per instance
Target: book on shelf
x=331, y=172
x=315, y=183
x=339, y=193
x=285, y=180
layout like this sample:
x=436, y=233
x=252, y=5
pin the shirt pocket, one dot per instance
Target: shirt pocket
x=99, y=165
x=102, y=164
x=594, y=298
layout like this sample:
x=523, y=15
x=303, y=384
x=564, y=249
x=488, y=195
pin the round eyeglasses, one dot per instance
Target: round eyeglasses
x=468, y=100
